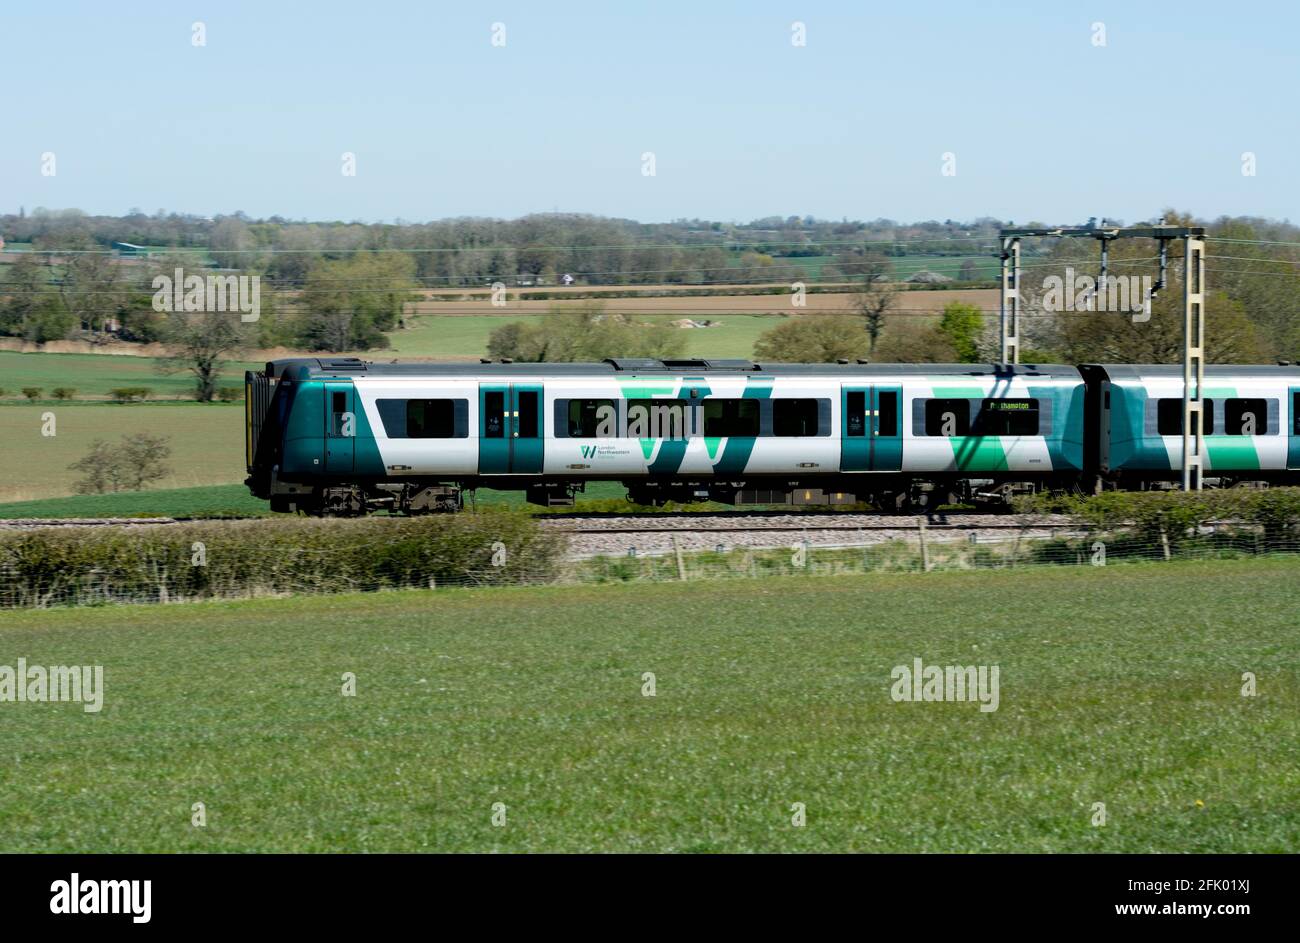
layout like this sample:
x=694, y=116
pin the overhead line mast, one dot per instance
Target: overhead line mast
x=1193, y=238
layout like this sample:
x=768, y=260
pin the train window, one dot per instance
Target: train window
x=730, y=417
x=494, y=415
x=526, y=418
x=887, y=419
x=855, y=413
x=430, y=419
x=794, y=417
x=339, y=412
x=1245, y=417
x=947, y=417
x=424, y=418
x=1007, y=417
x=585, y=417
x=1169, y=417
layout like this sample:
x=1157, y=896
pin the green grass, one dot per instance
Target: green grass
x=466, y=337
x=211, y=501
x=96, y=374
x=207, y=441
x=235, y=501
x=1118, y=685
x=447, y=337
x=735, y=338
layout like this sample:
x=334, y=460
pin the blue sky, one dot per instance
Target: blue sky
x=741, y=122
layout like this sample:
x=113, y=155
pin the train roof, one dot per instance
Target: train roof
x=1221, y=371
x=351, y=366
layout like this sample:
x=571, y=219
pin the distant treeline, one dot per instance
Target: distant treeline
x=342, y=286
x=471, y=252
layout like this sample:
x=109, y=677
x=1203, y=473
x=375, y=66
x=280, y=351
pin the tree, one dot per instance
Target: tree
x=873, y=302
x=25, y=288
x=868, y=265
x=92, y=288
x=199, y=342
x=230, y=243
x=583, y=332
x=822, y=338
x=350, y=303
x=134, y=462
x=963, y=324
x=1115, y=337
x=911, y=342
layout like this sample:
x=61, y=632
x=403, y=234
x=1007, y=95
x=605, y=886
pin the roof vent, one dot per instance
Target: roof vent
x=634, y=363
x=710, y=365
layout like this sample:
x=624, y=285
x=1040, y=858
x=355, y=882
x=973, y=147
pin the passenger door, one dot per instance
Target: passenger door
x=886, y=424
x=855, y=442
x=871, y=428
x=510, y=428
x=340, y=427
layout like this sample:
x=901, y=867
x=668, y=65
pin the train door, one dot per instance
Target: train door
x=510, y=428
x=885, y=421
x=855, y=443
x=340, y=427
x=1293, y=442
x=871, y=430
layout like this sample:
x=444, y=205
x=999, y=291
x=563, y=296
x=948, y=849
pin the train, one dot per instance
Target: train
x=345, y=436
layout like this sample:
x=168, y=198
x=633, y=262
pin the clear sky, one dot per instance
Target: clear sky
x=1043, y=123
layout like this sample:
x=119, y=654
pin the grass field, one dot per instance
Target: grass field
x=231, y=501
x=96, y=374
x=1118, y=685
x=466, y=337
x=207, y=443
x=209, y=501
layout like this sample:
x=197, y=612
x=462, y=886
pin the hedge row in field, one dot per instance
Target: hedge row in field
x=1162, y=518
x=50, y=566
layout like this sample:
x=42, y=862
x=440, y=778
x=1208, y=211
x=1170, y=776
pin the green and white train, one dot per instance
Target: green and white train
x=346, y=436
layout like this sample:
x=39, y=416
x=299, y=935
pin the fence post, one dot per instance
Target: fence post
x=681, y=564
x=925, y=551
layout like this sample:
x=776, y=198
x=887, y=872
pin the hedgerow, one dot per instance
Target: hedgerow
x=49, y=566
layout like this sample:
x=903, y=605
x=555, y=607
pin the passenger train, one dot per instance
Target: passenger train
x=347, y=436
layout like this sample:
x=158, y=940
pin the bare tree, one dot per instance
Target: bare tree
x=92, y=288
x=199, y=342
x=873, y=302
x=130, y=465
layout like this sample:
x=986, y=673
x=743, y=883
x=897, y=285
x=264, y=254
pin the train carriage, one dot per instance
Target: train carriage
x=1250, y=422
x=344, y=435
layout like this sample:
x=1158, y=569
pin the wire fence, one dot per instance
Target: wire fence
x=331, y=572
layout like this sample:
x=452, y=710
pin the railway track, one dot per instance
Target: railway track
x=664, y=533
x=741, y=522
x=910, y=527
x=652, y=535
